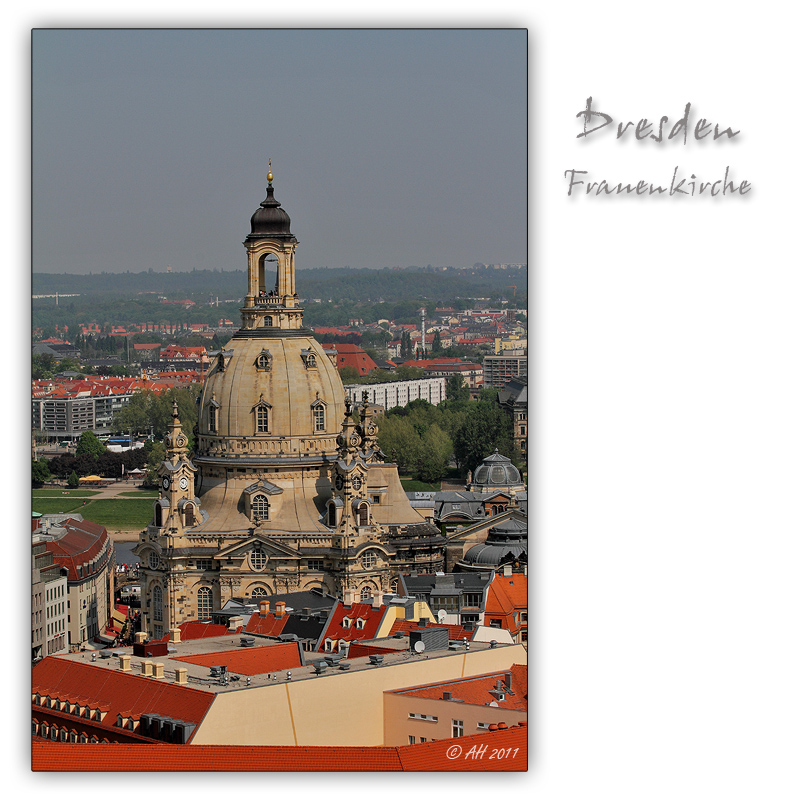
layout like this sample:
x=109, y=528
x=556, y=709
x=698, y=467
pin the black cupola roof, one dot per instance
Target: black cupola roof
x=270, y=221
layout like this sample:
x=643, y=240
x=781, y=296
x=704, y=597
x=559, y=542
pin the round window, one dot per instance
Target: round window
x=368, y=560
x=153, y=559
x=258, y=559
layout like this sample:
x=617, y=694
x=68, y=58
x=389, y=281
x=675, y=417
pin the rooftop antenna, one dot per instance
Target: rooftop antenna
x=422, y=312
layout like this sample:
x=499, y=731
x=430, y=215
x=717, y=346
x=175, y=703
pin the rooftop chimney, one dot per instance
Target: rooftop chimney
x=125, y=663
x=140, y=637
x=376, y=600
x=349, y=597
x=507, y=680
x=423, y=622
x=263, y=608
x=234, y=623
x=506, y=570
x=447, y=695
x=174, y=635
x=158, y=670
x=181, y=675
x=147, y=669
x=280, y=608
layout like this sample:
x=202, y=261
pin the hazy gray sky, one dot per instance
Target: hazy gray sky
x=388, y=147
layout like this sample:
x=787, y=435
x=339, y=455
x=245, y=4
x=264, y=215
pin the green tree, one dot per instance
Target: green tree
x=436, y=346
x=73, y=481
x=42, y=366
x=41, y=472
x=409, y=373
x=434, y=453
x=485, y=428
x=157, y=454
x=456, y=389
x=89, y=444
x=349, y=375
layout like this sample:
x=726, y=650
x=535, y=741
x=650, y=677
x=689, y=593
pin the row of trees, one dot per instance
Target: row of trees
x=425, y=439
x=151, y=413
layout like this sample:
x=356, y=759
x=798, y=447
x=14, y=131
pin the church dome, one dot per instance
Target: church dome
x=506, y=543
x=270, y=395
x=494, y=473
x=270, y=220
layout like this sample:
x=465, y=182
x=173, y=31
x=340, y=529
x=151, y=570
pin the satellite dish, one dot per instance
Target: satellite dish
x=441, y=615
x=494, y=704
x=419, y=646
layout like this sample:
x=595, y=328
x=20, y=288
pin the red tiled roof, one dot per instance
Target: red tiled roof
x=454, y=632
x=473, y=754
x=360, y=650
x=268, y=626
x=82, y=542
x=475, y=690
x=372, y=619
x=250, y=660
x=515, y=587
x=122, y=692
x=199, y=630
x=351, y=355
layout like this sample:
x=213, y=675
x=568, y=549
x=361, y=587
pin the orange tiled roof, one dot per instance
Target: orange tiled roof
x=515, y=587
x=120, y=691
x=335, y=630
x=199, y=630
x=475, y=691
x=250, y=660
x=474, y=754
x=268, y=626
x=454, y=632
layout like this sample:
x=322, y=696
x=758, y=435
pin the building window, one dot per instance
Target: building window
x=259, y=507
x=495, y=623
x=158, y=604
x=262, y=419
x=316, y=564
x=458, y=727
x=346, y=622
x=203, y=602
x=263, y=362
x=258, y=560
x=213, y=413
x=363, y=514
x=267, y=322
x=471, y=600
x=412, y=739
x=205, y=564
x=259, y=591
x=153, y=559
x=368, y=560
x=366, y=594
x=319, y=418
x=311, y=361
x=393, y=586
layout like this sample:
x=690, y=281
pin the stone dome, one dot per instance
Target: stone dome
x=506, y=543
x=270, y=220
x=494, y=473
x=269, y=395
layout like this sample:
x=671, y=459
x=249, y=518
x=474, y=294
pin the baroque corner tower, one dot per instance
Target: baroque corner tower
x=284, y=491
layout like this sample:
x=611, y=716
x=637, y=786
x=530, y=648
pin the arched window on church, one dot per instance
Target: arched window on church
x=319, y=418
x=262, y=419
x=311, y=361
x=366, y=595
x=264, y=361
x=188, y=515
x=259, y=508
x=331, y=515
x=363, y=514
x=203, y=602
x=158, y=604
x=268, y=322
x=258, y=592
x=213, y=417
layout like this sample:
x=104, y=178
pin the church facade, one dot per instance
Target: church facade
x=287, y=488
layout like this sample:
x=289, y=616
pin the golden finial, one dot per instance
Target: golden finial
x=269, y=174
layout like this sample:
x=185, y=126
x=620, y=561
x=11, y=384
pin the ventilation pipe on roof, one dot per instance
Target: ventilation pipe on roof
x=506, y=570
x=447, y=695
x=376, y=600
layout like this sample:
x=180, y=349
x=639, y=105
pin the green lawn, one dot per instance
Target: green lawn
x=61, y=492
x=419, y=486
x=52, y=505
x=111, y=513
x=141, y=493
x=119, y=513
